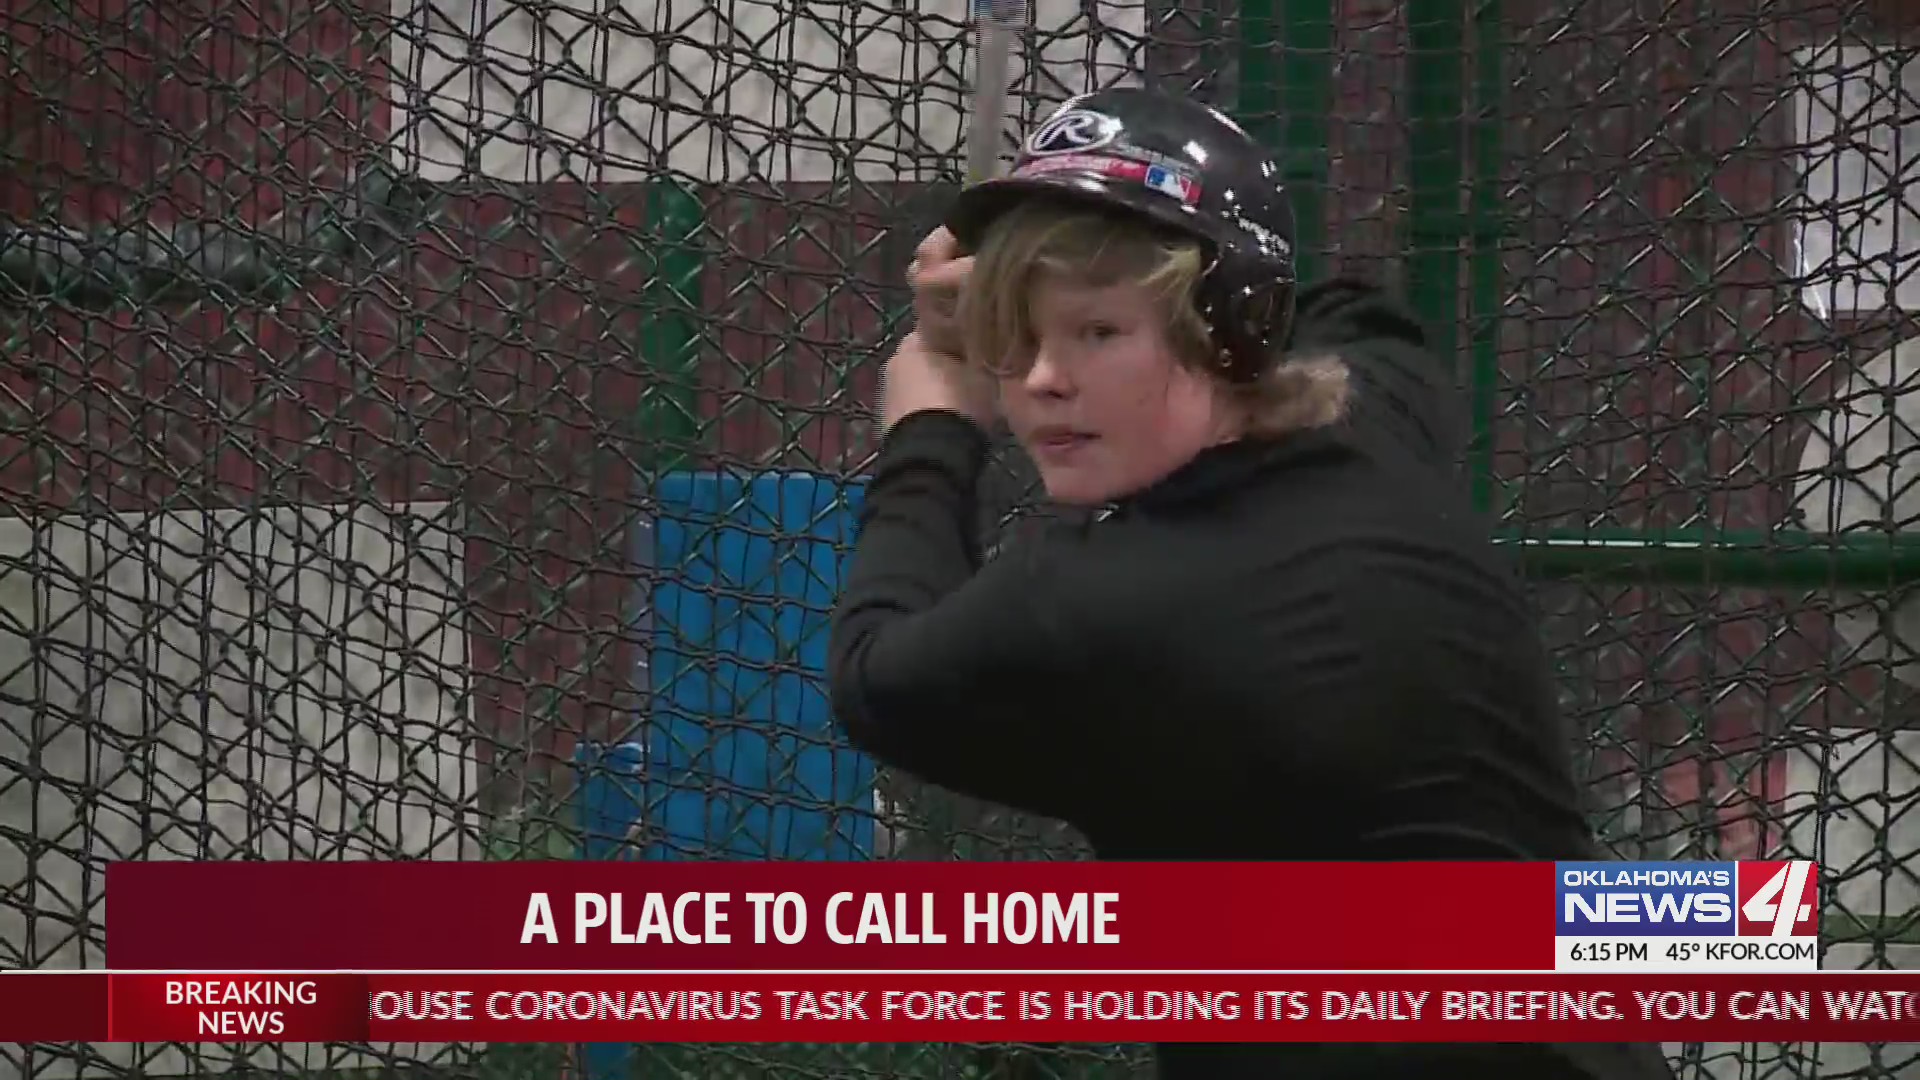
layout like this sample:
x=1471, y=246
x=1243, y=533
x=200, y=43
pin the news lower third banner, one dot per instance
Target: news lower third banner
x=1708, y=918
x=1041, y=952
x=738, y=1007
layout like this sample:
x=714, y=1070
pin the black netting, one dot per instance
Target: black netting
x=427, y=430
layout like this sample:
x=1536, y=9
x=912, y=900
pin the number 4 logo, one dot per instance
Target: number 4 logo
x=1778, y=901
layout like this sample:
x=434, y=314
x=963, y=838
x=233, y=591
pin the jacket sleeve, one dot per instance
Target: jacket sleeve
x=1406, y=393
x=937, y=665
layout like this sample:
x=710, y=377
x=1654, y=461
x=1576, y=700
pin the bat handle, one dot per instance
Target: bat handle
x=989, y=98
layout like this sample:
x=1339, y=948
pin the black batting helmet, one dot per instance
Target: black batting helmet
x=1181, y=164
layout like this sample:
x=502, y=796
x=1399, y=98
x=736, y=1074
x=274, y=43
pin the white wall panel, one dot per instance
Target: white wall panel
x=277, y=683
x=718, y=90
x=1857, y=117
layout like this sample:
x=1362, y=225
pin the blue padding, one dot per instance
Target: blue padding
x=738, y=757
x=611, y=798
x=742, y=761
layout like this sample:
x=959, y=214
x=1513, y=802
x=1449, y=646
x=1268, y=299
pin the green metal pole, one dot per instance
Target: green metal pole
x=1454, y=214
x=669, y=420
x=1486, y=229
x=1436, y=164
x=1285, y=102
x=1754, y=558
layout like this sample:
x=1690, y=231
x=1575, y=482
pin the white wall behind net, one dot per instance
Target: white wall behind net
x=1857, y=114
x=269, y=683
x=719, y=90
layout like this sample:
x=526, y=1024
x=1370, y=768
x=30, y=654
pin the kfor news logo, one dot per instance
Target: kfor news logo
x=1771, y=899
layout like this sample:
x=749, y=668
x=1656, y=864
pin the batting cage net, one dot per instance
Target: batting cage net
x=430, y=431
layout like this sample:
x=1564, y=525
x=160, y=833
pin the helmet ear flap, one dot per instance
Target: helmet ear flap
x=1251, y=320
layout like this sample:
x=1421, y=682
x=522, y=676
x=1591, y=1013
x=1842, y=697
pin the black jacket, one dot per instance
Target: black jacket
x=1313, y=633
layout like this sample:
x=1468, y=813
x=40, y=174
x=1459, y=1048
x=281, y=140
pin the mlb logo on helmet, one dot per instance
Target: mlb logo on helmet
x=1168, y=182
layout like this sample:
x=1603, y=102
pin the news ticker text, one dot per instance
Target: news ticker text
x=825, y=1007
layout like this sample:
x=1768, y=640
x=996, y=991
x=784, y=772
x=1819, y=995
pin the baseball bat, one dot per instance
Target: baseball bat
x=998, y=23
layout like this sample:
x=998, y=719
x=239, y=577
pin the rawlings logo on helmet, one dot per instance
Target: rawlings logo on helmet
x=1072, y=131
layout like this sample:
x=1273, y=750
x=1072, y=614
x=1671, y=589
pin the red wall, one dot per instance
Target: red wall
x=491, y=364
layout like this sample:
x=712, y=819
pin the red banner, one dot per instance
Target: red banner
x=831, y=916
x=908, y=1007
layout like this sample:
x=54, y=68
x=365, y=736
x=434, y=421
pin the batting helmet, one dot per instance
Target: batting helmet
x=1185, y=166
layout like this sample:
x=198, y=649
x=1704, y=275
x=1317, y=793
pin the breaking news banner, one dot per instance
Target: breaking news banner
x=738, y=1007
x=823, y=952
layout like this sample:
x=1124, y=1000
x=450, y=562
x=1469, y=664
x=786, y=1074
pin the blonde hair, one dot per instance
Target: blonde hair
x=1089, y=247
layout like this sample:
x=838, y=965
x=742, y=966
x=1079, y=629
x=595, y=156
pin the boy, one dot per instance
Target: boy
x=1289, y=639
